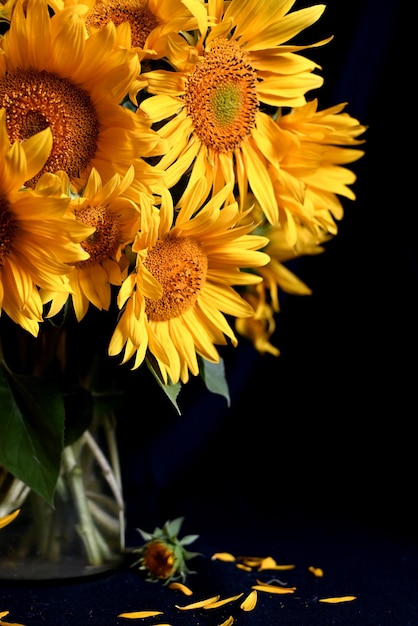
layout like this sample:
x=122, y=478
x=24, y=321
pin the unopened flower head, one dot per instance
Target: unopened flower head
x=164, y=555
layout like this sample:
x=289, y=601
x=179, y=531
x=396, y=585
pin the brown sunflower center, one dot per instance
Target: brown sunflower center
x=221, y=96
x=159, y=559
x=136, y=12
x=35, y=100
x=8, y=227
x=180, y=266
x=104, y=242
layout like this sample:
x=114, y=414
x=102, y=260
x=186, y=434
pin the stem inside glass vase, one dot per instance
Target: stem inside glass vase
x=84, y=533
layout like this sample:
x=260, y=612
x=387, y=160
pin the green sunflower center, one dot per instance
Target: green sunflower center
x=221, y=96
x=104, y=242
x=136, y=12
x=35, y=100
x=8, y=227
x=180, y=266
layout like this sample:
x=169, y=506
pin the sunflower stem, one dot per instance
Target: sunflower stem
x=86, y=529
x=111, y=472
x=16, y=495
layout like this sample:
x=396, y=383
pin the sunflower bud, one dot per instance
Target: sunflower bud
x=163, y=555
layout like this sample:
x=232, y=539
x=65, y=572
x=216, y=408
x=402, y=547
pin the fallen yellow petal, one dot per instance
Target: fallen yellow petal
x=223, y=556
x=270, y=563
x=180, y=587
x=199, y=604
x=228, y=622
x=316, y=571
x=250, y=601
x=274, y=589
x=139, y=614
x=336, y=600
x=215, y=605
x=4, y=613
x=245, y=568
x=251, y=561
x=4, y=521
x=267, y=563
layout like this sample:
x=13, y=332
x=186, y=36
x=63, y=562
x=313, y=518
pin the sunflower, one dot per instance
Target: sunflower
x=51, y=75
x=114, y=218
x=219, y=110
x=276, y=276
x=312, y=174
x=155, y=26
x=308, y=180
x=38, y=239
x=174, y=304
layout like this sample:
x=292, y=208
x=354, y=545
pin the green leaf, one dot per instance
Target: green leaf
x=171, y=390
x=213, y=375
x=31, y=431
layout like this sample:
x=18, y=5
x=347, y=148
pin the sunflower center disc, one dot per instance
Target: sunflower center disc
x=35, y=100
x=180, y=266
x=8, y=229
x=136, y=12
x=221, y=96
x=105, y=240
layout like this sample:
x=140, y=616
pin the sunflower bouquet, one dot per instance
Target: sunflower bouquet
x=160, y=163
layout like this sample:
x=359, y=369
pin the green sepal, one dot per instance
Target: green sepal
x=31, y=430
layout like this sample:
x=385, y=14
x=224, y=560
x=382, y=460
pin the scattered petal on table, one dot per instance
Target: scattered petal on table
x=223, y=556
x=338, y=599
x=180, y=587
x=198, y=605
x=273, y=588
x=139, y=614
x=316, y=571
x=270, y=563
x=215, y=605
x=245, y=568
x=250, y=601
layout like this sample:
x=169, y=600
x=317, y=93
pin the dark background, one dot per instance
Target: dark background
x=325, y=433
x=315, y=460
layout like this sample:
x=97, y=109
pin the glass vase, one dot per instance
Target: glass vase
x=83, y=533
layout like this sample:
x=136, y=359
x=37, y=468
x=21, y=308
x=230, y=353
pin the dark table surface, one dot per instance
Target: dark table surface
x=380, y=570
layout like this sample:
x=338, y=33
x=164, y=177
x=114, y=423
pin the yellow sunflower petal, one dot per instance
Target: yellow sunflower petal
x=4, y=521
x=250, y=601
x=139, y=614
x=337, y=599
x=223, y=556
x=181, y=587
x=201, y=604
x=275, y=589
x=316, y=571
x=218, y=603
